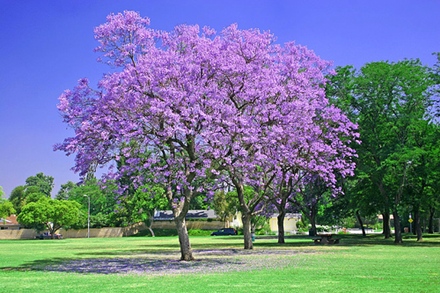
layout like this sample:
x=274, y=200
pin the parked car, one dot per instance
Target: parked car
x=47, y=235
x=224, y=231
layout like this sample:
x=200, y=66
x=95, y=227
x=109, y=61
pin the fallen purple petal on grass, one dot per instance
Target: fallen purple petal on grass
x=208, y=261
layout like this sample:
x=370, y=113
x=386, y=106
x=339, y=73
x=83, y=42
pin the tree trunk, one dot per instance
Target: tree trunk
x=431, y=221
x=185, y=246
x=312, y=218
x=151, y=232
x=247, y=234
x=149, y=224
x=280, y=222
x=397, y=228
x=386, y=225
x=417, y=224
x=52, y=229
x=246, y=215
x=358, y=216
x=180, y=209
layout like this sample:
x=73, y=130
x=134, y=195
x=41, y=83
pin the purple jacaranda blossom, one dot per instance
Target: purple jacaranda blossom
x=193, y=109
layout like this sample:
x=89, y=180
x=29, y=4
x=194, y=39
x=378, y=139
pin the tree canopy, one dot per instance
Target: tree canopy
x=191, y=104
x=50, y=214
x=390, y=101
x=43, y=182
x=34, y=188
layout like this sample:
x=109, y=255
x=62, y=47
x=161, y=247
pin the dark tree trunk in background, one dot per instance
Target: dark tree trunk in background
x=397, y=228
x=386, y=225
x=431, y=221
x=280, y=222
x=312, y=218
x=358, y=216
x=417, y=224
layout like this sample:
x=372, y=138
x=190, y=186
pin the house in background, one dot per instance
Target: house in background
x=290, y=221
x=9, y=223
x=195, y=219
x=191, y=215
x=208, y=220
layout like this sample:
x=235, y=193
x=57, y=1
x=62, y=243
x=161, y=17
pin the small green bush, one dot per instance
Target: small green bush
x=199, y=232
x=265, y=230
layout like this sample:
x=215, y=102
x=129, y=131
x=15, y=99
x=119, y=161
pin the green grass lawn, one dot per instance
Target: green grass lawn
x=141, y=264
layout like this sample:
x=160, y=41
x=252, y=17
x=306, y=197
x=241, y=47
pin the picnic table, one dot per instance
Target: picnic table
x=325, y=239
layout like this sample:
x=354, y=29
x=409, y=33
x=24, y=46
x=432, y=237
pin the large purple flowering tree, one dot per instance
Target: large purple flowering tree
x=197, y=109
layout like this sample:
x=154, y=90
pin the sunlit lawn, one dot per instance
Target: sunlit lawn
x=357, y=264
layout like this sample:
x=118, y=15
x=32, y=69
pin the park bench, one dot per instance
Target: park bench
x=325, y=239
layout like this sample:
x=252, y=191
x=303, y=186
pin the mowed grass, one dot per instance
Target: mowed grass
x=140, y=264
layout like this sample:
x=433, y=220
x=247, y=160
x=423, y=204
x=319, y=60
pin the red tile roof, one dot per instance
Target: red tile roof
x=11, y=220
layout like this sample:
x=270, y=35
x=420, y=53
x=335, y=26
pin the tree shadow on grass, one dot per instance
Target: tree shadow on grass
x=378, y=239
x=353, y=240
x=208, y=261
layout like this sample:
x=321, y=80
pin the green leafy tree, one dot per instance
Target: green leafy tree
x=199, y=202
x=50, y=214
x=423, y=173
x=225, y=205
x=387, y=100
x=44, y=183
x=35, y=187
x=65, y=190
x=140, y=207
x=102, y=202
x=17, y=198
x=22, y=195
x=33, y=194
x=355, y=203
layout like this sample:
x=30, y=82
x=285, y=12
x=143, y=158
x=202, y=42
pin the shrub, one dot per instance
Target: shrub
x=199, y=232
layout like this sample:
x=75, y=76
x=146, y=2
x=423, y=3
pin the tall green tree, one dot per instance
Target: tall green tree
x=387, y=100
x=34, y=187
x=50, y=214
x=17, y=198
x=65, y=190
x=22, y=195
x=43, y=182
x=424, y=173
x=103, y=202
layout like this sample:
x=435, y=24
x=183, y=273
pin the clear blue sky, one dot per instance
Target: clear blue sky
x=46, y=46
